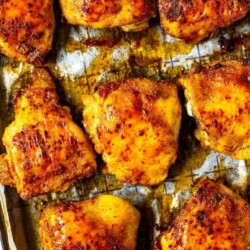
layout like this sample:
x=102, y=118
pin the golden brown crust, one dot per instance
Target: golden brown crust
x=107, y=13
x=135, y=125
x=219, y=96
x=5, y=175
x=193, y=20
x=103, y=222
x=26, y=29
x=46, y=150
x=214, y=218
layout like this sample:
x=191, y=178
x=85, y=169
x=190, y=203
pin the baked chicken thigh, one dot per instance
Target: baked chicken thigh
x=46, y=150
x=219, y=98
x=104, y=222
x=131, y=15
x=194, y=20
x=135, y=125
x=214, y=218
x=26, y=29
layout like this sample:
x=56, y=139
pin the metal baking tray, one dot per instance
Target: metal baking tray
x=81, y=60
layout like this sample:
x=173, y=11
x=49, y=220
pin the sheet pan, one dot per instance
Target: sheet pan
x=82, y=59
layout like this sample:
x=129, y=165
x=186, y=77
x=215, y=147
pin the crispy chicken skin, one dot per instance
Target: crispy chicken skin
x=46, y=150
x=193, y=20
x=26, y=29
x=132, y=15
x=214, y=218
x=104, y=222
x=135, y=125
x=219, y=97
